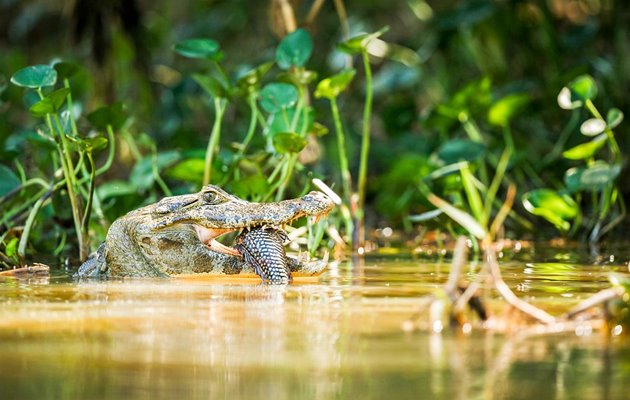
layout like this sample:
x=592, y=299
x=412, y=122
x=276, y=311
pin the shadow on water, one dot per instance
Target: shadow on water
x=338, y=338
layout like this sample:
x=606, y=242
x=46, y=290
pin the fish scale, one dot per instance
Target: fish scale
x=263, y=249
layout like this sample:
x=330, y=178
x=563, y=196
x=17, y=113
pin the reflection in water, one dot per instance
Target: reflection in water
x=340, y=338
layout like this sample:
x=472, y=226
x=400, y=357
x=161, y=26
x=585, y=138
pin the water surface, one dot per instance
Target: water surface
x=340, y=337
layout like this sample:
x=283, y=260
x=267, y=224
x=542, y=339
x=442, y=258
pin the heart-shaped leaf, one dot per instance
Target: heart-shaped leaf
x=35, y=76
x=599, y=175
x=565, y=102
x=614, y=117
x=66, y=69
x=294, y=50
x=359, y=43
x=200, y=48
x=288, y=142
x=50, y=104
x=583, y=88
x=276, y=96
x=333, y=86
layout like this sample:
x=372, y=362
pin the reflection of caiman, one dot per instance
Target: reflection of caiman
x=177, y=236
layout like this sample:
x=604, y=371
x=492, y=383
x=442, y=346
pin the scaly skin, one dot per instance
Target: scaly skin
x=176, y=235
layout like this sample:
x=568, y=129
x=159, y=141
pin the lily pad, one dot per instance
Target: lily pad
x=294, y=50
x=35, y=76
x=276, y=96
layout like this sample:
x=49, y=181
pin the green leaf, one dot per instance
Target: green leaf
x=188, y=170
x=288, y=142
x=51, y=103
x=8, y=180
x=11, y=248
x=333, y=86
x=250, y=81
x=583, y=88
x=250, y=186
x=35, y=76
x=115, y=188
x=460, y=150
x=294, y=50
x=556, y=208
x=585, y=150
x=142, y=173
x=599, y=175
x=359, y=43
x=298, y=77
x=276, y=96
x=89, y=145
x=472, y=194
x=67, y=70
x=592, y=127
x=504, y=109
x=277, y=122
x=113, y=115
x=210, y=85
x=614, y=117
x=200, y=48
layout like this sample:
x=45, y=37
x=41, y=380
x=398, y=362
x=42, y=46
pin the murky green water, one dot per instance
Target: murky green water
x=338, y=338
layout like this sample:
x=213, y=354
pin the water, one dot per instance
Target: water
x=340, y=337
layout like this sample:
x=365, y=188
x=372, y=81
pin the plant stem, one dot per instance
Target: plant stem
x=346, y=178
x=614, y=147
x=365, y=149
x=219, y=106
x=30, y=221
x=85, y=223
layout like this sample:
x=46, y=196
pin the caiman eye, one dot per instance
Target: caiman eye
x=211, y=197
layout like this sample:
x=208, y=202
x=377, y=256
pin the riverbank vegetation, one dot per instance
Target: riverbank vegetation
x=484, y=118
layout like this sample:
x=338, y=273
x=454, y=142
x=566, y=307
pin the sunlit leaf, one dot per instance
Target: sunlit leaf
x=8, y=180
x=585, y=150
x=359, y=43
x=35, y=76
x=504, y=109
x=614, y=117
x=294, y=50
x=556, y=208
x=288, y=142
x=276, y=96
x=583, y=88
x=592, y=127
x=333, y=86
x=51, y=103
x=188, y=170
x=88, y=144
x=200, y=48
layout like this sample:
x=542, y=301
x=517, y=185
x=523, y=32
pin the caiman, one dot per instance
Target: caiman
x=177, y=235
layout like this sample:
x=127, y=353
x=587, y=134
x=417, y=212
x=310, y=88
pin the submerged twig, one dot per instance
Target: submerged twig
x=598, y=298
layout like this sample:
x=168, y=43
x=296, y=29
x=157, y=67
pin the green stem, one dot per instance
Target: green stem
x=85, y=223
x=346, y=178
x=365, y=149
x=614, y=147
x=73, y=123
x=219, y=106
x=251, y=100
x=30, y=221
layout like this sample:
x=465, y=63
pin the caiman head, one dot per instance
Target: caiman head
x=214, y=212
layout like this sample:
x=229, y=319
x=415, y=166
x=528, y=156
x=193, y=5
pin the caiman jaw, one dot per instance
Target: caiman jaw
x=208, y=237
